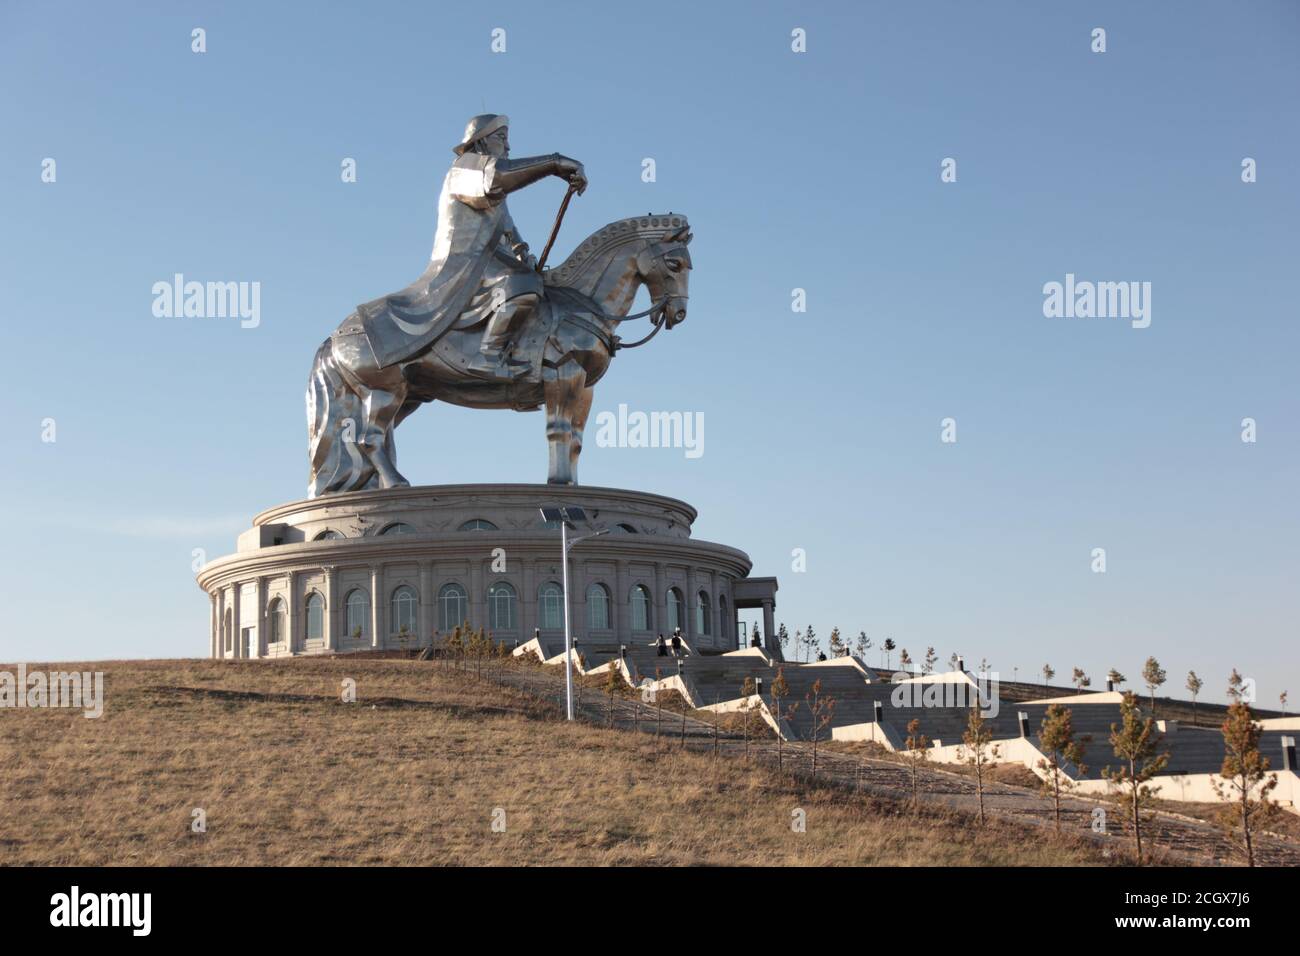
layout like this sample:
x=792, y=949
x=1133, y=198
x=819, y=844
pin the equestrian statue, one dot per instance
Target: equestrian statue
x=487, y=325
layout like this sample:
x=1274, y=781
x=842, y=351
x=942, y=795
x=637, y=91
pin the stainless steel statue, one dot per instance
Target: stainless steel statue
x=482, y=327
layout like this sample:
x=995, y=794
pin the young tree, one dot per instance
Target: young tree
x=753, y=637
x=1244, y=771
x=1056, y=738
x=978, y=750
x=659, y=706
x=1194, y=685
x=1115, y=678
x=780, y=691
x=782, y=637
x=930, y=657
x=1080, y=679
x=1237, y=687
x=820, y=710
x=836, y=643
x=905, y=660
x=614, y=685
x=455, y=645
x=1281, y=699
x=810, y=636
x=1153, y=675
x=952, y=661
x=799, y=646
x=863, y=645
x=889, y=651
x=747, y=690
x=917, y=744
x=1137, y=744
x=1048, y=674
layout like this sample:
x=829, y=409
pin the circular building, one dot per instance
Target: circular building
x=391, y=569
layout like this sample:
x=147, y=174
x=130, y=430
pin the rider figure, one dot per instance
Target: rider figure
x=510, y=288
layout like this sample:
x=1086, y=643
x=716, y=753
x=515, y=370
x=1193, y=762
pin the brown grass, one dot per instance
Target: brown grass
x=411, y=774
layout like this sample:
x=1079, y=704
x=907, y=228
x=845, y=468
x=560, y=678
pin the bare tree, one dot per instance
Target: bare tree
x=978, y=750
x=780, y=691
x=820, y=710
x=917, y=744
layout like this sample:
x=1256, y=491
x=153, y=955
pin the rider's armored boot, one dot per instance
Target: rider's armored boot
x=490, y=362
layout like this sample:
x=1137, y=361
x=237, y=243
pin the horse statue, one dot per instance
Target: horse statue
x=354, y=402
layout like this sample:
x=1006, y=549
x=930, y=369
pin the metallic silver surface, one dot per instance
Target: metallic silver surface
x=481, y=328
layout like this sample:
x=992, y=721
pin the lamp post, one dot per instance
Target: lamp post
x=564, y=515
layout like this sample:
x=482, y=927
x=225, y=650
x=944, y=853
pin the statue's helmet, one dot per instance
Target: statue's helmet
x=478, y=127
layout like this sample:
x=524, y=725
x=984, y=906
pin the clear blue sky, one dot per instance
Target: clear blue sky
x=816, y=170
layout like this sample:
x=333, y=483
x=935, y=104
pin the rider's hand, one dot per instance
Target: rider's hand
x=573, y=171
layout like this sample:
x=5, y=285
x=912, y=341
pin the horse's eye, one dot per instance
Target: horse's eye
x=674, y=265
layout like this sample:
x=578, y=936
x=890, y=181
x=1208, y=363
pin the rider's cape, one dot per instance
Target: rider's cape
x=471, y=219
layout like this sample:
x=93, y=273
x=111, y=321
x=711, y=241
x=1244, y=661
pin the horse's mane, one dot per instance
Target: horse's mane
x=650, y=226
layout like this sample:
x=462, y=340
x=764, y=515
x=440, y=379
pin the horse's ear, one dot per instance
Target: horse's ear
x=686, y=239
x=681, y=235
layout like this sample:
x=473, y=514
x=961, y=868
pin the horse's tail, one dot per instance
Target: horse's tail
x=335, y=414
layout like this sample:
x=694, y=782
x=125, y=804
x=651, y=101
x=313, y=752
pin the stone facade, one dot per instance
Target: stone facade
x=304, y=579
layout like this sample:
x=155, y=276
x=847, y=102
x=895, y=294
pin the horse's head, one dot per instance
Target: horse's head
x=665, y=267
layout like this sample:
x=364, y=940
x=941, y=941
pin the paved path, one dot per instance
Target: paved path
x=1180, y=839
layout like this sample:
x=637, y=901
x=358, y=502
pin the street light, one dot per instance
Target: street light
x=564, y=515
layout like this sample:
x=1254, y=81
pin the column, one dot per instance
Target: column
x=376, y=606
x=692, y=596
x=426, y=604
x=659, y=625
x=715, y=615
x=260, y=642
x=478, y=607
x=214, y=630
x=237, y=639
x=769, y=628
x=292, y=614
x=331, y=607
x=529, y=582
x=622, y=618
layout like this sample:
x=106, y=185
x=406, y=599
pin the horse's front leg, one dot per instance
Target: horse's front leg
x=581, y=409
x=561, y=387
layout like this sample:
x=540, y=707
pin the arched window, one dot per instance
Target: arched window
x=597, y=608
x=674, y=609
x=398, y=527
x=501, y=607
x=478, y=524
x=550, y=607
x=329, y=534
x=275, y=620
x=402, y=614
x=703, y=607
x=315, y=616
x=640, y=609
x=724, y=625
x=453, y=607
x=358, y=605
